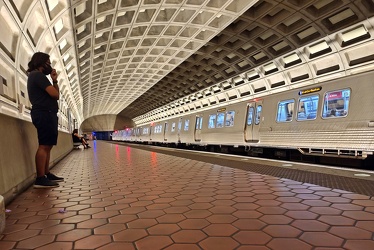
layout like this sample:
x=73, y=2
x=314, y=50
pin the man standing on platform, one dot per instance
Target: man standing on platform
x=43, y=97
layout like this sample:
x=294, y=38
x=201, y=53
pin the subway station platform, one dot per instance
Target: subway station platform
x=123, y=197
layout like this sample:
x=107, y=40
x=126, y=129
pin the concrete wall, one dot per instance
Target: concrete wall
x=18, y=145
x=2, y=214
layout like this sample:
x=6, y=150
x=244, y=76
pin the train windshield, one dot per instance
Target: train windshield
x=335, y=104
x=308, y=107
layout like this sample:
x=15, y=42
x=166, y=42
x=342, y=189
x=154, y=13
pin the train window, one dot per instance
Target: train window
x=186, y=124
x=145, y=131
x=212, y=121
x=335, y=104
x=250, y=116
x=158, y=129
x=258, y=114
x=201, y=122
x=173, y=127
x=197, y=125
x=285, y=111
x=220, y=120
x=307, y=108
x=230, y=118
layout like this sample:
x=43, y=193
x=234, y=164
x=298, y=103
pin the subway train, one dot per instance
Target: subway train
x=331, y=122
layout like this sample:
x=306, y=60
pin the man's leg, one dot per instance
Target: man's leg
x=82, y=141
x=49, y=175
x=85, y=142
x=42, y=168
x=41, y=157
x=46, y=164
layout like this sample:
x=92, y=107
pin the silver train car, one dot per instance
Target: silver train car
x=328, y=122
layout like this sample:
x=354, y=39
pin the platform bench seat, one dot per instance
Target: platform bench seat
x=76, y=144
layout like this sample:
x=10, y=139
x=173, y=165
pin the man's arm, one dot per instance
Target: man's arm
x=54, y=91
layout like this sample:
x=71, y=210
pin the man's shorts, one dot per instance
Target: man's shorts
x=46, y=123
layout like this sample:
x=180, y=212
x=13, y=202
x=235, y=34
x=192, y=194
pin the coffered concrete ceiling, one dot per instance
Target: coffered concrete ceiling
x=125, y=47
x=264, y=32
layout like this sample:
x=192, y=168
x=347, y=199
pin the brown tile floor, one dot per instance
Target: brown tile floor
x=117, y=197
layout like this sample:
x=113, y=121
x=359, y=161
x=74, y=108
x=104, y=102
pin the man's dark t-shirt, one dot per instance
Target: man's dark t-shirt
x=40, y=99
x=75, y=138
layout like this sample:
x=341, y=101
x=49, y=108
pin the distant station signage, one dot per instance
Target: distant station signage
x=308, y=91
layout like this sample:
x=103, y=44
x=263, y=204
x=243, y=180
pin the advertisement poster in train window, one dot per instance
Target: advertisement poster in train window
x=212, y=121
x=220, y=120
x=230, y=115
x=336, y=103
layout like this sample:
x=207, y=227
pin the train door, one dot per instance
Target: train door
x=198, y=126
x=179, y=129
x=150, y=132
x=252, y=127
x=138, y=135
x=165, y=131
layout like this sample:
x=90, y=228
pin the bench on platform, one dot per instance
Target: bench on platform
x=76, y=144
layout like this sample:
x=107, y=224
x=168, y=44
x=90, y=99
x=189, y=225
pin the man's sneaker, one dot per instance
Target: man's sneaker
x=88, y=146
x=53, y=177
x=43, y=182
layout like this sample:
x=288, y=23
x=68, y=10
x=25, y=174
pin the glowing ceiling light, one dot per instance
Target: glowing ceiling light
x=66, y=57
x=58, y=26
x=63, y=44
x=52, y=4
